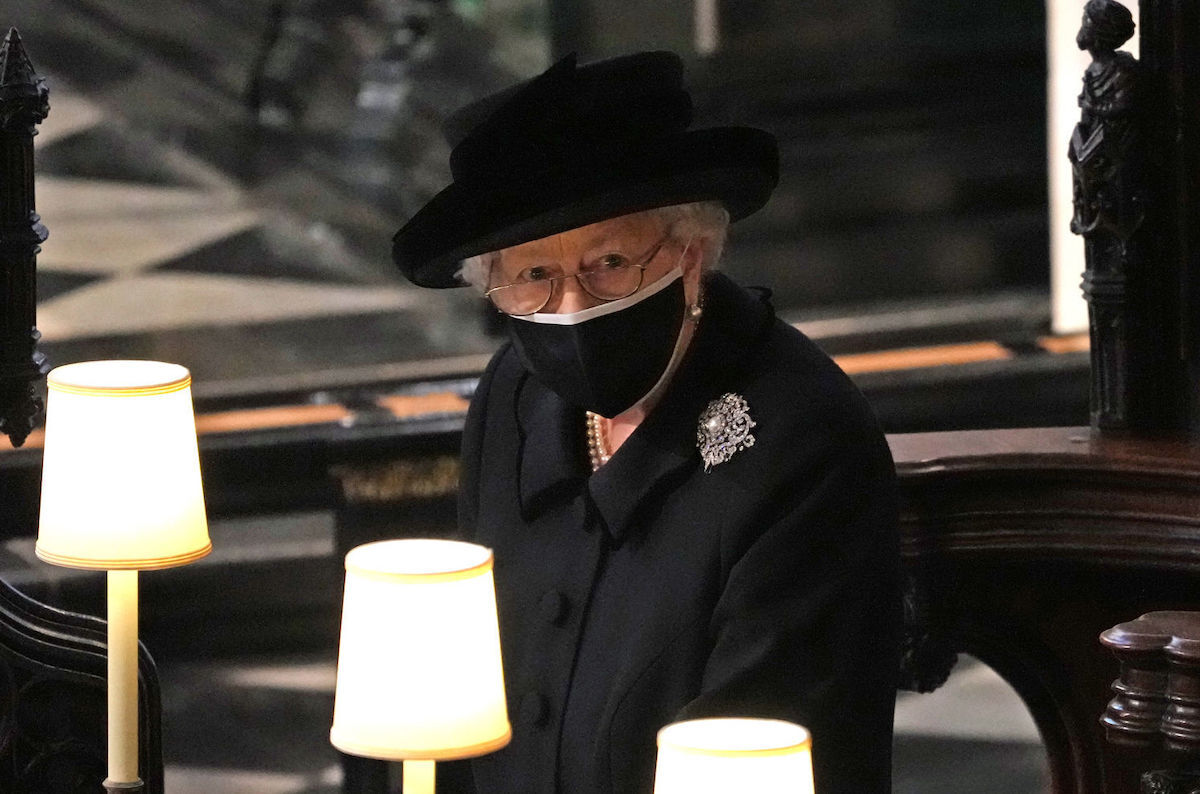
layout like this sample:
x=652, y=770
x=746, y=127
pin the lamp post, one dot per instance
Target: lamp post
x=709, y=756
x=419, y=676
x=121, y=492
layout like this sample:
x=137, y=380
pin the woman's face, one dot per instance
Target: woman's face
x=630, y=236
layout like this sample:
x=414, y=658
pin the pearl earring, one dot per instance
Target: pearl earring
x=694, y=312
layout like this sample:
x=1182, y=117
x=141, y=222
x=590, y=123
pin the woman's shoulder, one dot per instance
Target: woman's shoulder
x=806, y=412
x=773, y=357
x=502, y=371
x=803, y=387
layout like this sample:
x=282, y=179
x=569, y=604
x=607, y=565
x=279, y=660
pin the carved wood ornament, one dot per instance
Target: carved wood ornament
x=24, y=103
x=1108, y=166
x=1157, y=703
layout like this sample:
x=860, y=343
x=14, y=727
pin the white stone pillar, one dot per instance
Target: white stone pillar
x=706, y=26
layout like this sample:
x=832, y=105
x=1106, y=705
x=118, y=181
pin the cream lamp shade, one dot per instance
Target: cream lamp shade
x=419, y=671
x=726, y=754
x=120, y=473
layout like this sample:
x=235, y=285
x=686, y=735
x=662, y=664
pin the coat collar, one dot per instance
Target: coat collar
x=553, y=455
x=662, y=450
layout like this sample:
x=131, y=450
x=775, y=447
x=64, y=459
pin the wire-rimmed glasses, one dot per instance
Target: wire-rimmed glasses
x=608, y=278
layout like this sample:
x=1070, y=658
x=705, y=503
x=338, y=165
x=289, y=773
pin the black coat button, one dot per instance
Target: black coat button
x=533, y=710
x=554, y=608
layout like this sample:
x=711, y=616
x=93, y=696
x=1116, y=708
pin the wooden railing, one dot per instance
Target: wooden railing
x=1023, y=546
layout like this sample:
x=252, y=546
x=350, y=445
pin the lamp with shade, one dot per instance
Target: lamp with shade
x=724, y=754
x=121, y=492
x=419, y=675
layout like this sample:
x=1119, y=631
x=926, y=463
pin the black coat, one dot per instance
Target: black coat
x=653, y=590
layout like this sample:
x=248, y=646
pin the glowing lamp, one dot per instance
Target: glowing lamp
x=419, y=674
x=734, y=754
x=121, y=492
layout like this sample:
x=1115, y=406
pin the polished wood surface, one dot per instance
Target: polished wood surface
x=914, y=357
x=1024, y=545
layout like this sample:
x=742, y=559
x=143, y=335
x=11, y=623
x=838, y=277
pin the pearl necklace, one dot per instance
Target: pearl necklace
x=597, y=440
x=597, y=437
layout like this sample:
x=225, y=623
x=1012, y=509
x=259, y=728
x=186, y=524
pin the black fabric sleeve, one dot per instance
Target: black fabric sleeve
x=455, y=777
x=471, y=450
x=807, y=626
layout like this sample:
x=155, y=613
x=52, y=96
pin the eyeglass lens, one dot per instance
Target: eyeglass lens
x=604, y=280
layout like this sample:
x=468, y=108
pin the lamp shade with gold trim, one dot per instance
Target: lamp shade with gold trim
x=419, y=670
x=121, y=484
x=724, y=754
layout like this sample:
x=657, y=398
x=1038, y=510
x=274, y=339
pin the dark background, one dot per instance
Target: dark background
x=913, y=134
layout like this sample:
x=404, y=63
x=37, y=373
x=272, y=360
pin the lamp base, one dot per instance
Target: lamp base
x=112, y=786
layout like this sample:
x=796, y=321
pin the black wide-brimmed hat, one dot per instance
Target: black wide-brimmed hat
x=573, y=146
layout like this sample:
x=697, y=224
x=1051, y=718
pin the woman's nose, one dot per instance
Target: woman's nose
x=571, y=298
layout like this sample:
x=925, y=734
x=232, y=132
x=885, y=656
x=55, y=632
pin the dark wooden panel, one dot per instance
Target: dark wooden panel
x=1025, y=544
x=52, y=701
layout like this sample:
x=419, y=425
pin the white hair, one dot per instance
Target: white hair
x=699, y=220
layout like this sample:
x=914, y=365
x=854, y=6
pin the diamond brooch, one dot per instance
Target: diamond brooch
x=724, y=429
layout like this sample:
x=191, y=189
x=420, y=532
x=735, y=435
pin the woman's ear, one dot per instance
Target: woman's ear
x=692, y=265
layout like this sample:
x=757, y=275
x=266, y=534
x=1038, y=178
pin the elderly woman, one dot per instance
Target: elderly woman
x=692, y=509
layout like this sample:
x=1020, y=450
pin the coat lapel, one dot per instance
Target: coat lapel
x=552, y=464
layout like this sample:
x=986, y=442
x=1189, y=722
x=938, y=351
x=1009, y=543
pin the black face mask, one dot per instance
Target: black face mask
x=606, y=358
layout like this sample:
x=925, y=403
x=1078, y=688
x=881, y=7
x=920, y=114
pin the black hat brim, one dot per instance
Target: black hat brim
x=737, y=166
